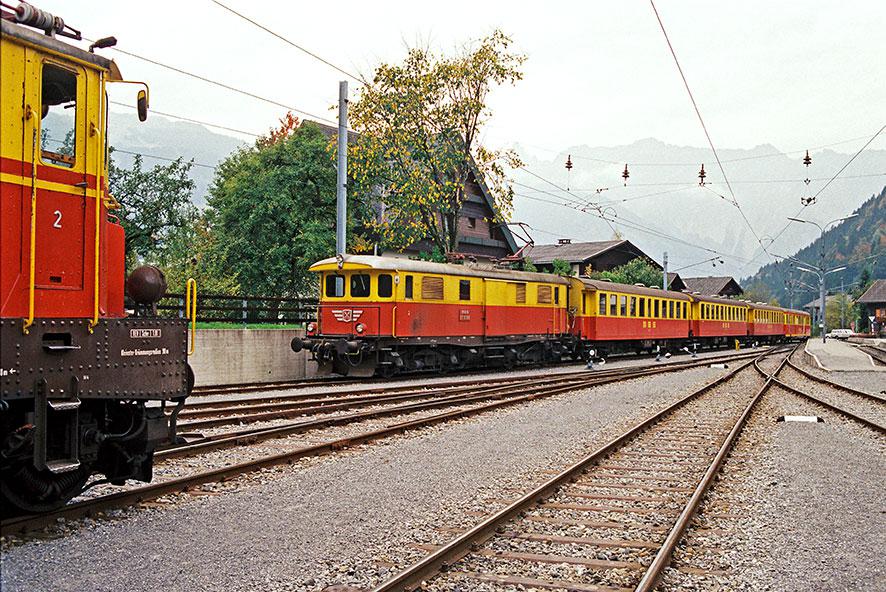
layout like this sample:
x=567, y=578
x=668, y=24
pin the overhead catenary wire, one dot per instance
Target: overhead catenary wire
x=188, y=119
x=221, y=85
x=704, y=127
x=289, y=42
x=831, y=180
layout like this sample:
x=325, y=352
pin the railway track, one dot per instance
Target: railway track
x=876, y=354
x=264, y=408
x=612, y=520
x=465, y=404
x=457, y=393
x=629, y=501
x=203, y=391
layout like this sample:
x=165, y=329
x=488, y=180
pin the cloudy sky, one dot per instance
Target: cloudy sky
x=791, y=74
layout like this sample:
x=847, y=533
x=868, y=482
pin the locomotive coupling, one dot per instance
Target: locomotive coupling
x=339, y=346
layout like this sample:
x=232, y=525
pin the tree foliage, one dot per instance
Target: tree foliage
x=759, y=291
x=155, y=204
x=419, y=124
x=561, y=267
x=840, y=312
x=635, y=271
x=272, y=211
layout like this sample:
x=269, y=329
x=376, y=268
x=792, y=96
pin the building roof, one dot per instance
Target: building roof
x=578, y=252
x=675, y=282
x=816, y=303
x=875, y=293
x=712, y=285
x=332, y=132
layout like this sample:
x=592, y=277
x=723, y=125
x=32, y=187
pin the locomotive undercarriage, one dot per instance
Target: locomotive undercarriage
x=76, y=403
x=381, y=357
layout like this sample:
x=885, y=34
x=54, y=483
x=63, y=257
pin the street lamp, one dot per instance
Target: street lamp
x=820, y=269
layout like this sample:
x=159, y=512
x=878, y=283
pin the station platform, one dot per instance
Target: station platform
x=840, y=356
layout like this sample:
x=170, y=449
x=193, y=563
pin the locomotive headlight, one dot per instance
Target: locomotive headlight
x=359, y=328
x=312, y=327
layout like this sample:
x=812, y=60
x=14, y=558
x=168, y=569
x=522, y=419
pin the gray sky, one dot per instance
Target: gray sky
x=791, y=74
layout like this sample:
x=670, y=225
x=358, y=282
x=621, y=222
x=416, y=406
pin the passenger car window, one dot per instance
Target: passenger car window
x=360, y=283
x=633, y=306
x=671, y=310
x=557, y=295
x=623, y=309
x=613, y=305
x=656, y=301
x=385, y=285
x=642, y=307
x=464, y=289
x=58, y=98
x=407, y=287
x=335, y=286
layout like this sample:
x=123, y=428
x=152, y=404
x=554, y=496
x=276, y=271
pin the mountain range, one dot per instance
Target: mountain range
x=659, y=207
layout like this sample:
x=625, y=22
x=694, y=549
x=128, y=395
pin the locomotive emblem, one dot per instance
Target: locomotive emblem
x=347, y=315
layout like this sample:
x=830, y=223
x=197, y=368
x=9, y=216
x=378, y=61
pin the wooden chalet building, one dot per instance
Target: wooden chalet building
x=874, y=302
x=479, y=237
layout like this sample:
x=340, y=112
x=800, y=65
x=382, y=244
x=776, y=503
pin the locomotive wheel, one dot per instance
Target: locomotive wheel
x=25, y=490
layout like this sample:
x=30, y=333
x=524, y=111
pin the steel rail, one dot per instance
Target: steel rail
x=835, y=408
x=662, y=558
x=413, y=577
x=200, y=391
x=836, y=385
x=250, y=436
x=219, y=408
x=130, y=497
x=259, y=434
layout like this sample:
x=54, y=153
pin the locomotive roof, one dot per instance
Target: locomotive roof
x=357, y=262
x=34, y=38
x=631, y=289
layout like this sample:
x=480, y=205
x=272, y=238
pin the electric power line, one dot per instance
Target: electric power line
x=285, y=40
x=221, y=85
x=183, y=118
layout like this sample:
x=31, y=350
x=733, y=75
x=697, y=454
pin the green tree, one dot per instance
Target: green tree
x=527, y=265
x=562, y=267
x=635, y=271
x=190, y=253
x=840, y=312
x=419, y=124
x=758, y=291
x=155, y=204
x=272, y=211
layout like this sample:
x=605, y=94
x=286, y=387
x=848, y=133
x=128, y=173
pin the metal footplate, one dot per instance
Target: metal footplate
x=56, y=441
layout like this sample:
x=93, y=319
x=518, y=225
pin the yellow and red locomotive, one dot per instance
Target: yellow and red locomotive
x=76, y=370
x=386, y=315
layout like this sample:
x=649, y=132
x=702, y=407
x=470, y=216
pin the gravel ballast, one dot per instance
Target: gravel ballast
x=347, y=518
x=799, y=507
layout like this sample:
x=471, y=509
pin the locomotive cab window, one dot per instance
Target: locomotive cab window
x=464, y=289
x=385, y=285
x=360, y=283
x=407, y=287
x=557, y=295
x=335, y=286
x=58, y=104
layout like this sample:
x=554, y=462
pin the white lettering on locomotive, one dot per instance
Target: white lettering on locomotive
x=145, y=333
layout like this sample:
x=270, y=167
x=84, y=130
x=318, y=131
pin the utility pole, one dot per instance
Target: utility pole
x=842, y=306
x=341, y=189
x=664, y=273
x=821, y=271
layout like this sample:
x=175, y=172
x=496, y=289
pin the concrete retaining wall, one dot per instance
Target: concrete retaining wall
x=236, y=356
